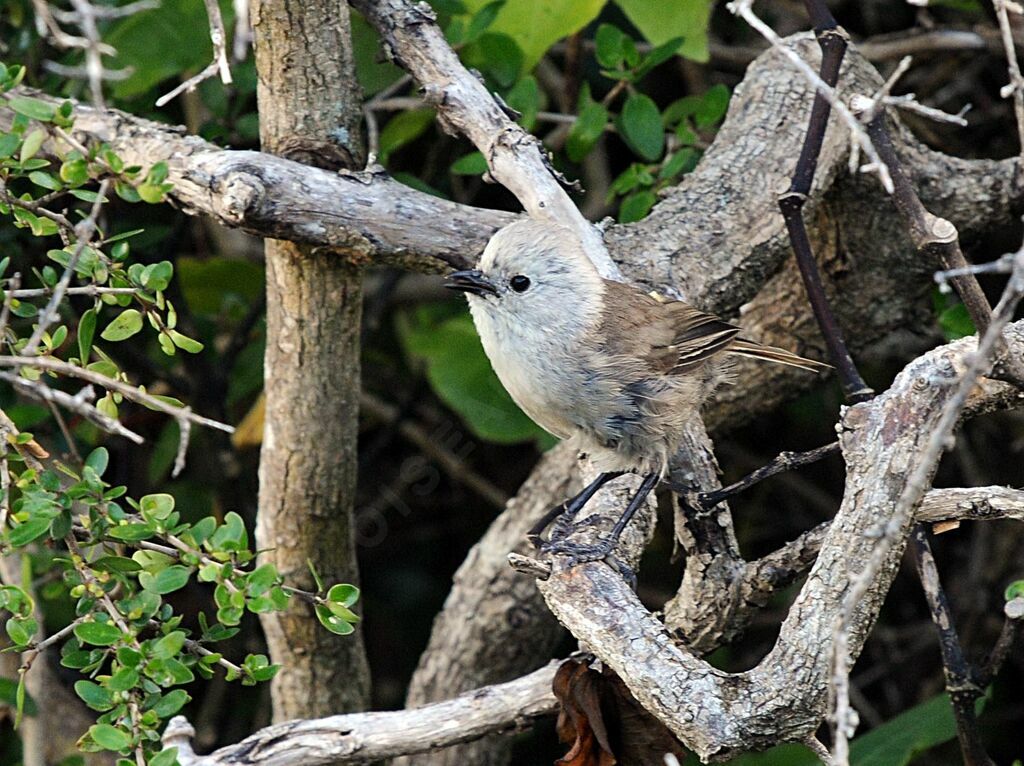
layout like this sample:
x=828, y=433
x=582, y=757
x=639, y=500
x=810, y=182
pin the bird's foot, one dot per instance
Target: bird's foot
x=578, y=553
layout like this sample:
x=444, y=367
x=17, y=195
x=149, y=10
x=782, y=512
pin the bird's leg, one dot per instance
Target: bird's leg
x=580, y=553
x=570, y=507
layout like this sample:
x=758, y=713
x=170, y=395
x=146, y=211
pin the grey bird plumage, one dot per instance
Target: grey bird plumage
x=593, y=360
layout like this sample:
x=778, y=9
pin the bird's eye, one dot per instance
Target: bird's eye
x=519, y=283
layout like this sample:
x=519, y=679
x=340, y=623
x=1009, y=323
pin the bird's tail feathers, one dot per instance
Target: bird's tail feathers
x=777, y=355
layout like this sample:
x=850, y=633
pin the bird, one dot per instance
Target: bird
x=597, y=361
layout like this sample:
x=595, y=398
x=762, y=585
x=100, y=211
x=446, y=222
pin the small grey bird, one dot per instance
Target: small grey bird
x=598, y=361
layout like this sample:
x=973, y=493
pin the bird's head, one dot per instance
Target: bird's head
x=533, y=273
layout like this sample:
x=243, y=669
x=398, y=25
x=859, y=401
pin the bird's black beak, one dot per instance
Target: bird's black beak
x=471, y=281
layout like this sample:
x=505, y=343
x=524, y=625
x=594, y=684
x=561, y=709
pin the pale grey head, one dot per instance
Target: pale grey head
x=533, y=277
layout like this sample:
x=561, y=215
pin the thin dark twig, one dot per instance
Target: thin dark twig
x=784, y=461
x=1013, y=627
x=961, y=681
x=833, y=43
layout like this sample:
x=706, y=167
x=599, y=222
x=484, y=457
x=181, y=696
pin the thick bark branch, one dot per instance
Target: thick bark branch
x=371, y=737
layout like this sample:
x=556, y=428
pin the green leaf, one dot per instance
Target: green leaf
x=20, y=631
x=19, y=699
x=158, y=44
x=97, y=633
x=660, y=22
x=34, y=528
x=458, y=371
x=116, y=564
x=402, y=129
x=956, y=322
x=109, y=738
x=343, y=594
x=74, y=171
x=171, y=703
x=333, y=622
x=39, y=178
x=158, y=506
x=94, y=695
x=168, y=646
x=98, y=460
x=586, y=131
x=123, y=680
x=536, y=25
x=31, y=145
x=185, y=343
x=33, y=108
x=482, y=19
x=659, y=55
x=683, y=161
x=166, y=581
x=1014, y=590
x=473, y=164
x=525, y=99
x=497, y=55
x=125, y=325
x=636, y=206
x=8, y=143
x=9, y=695
x=131, y=533
x=609, y=46
x=261, y=579
x=641, y=127
x=712, y=107
x=168, y=757
x=151, y=193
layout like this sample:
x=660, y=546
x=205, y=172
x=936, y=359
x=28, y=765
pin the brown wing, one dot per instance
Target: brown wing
x=674, y=337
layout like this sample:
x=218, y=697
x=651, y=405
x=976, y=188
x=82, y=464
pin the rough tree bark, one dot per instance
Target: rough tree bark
x=310, y=111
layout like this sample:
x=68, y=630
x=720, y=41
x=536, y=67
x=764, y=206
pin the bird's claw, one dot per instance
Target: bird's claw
x=584, y=553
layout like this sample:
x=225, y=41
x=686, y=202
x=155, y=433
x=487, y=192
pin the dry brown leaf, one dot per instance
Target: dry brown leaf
x=604, y=723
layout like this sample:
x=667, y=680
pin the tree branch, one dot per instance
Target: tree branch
x=370, y=737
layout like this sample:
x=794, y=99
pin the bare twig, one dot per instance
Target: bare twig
x=784, y=461
x=1015, y=87
x=84, y=232
x=833, y=42
x=453, y=464
x=1013, y=626
x=80, y=404
x=93, y=291
x=125, y=389
x=744, y=9
x=219, y=65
